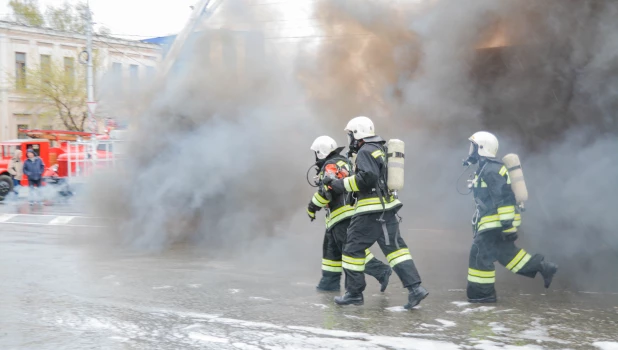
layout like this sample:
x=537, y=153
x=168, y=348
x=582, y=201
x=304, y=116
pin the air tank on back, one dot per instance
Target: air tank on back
x=518, y=184
x=395, y=164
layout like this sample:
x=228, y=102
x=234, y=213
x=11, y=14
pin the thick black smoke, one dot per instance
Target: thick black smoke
x=220, y=153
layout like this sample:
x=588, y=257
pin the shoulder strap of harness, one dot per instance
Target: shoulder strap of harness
x=383, y=191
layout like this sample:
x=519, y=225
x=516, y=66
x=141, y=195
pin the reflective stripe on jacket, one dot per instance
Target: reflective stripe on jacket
x=339, y=207
x=495, y=199
x=370, y=176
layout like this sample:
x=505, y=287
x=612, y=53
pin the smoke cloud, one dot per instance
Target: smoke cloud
x=219, y=155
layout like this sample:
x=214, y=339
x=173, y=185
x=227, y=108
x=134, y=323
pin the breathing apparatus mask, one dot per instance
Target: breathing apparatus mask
x=473, y=155
x=473, y=158
x=353, y=144
x=318, y=162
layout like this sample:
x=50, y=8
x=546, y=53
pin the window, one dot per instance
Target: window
x=45, y=62
x=35, y=147
x=69, y=68
x=117, y=70
x=150, y=72
x=21, y=135
x=8, y=151
x=20, y=70
x=133, y=71
x=46, y=67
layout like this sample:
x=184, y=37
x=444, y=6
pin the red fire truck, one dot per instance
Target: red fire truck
x=58, y=150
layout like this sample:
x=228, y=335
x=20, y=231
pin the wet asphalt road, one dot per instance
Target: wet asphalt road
x=59, y=292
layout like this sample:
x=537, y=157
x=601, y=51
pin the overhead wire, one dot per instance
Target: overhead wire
x=132, y=35
x=122, y=53
x=139, y=36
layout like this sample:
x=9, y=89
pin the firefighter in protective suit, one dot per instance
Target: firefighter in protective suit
x=495, y=224
x=339, y=212
x=374, y=218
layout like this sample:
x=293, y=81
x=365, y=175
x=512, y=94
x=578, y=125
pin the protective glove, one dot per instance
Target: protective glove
x=327, y=180
x=507, y=225
x=336, y=186
x=508, y=236
x=324, y=191
x=311, y=210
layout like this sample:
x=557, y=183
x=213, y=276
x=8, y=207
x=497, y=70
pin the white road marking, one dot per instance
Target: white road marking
x=7, y=217
x=75, y=215
x=55, y=220
x=39, y=224
x=61, y=220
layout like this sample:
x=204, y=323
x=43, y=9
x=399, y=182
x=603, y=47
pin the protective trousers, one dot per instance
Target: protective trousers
x=491, y=246
x=334, y=240
x=363, y=232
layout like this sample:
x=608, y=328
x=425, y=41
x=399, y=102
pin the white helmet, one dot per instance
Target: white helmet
x=361, y=127
x=486, y=142
x=323, y=146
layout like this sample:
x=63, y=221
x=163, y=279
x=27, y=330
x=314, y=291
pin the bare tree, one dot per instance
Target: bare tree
x=56, y=94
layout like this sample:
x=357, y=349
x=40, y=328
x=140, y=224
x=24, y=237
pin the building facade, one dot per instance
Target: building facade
x=23, y=46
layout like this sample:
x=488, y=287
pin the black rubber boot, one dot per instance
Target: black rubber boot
x=350, y=299
x=548, y=270
x=415, y=296
x=487, y=300
x=384, y=280
x=329, y=283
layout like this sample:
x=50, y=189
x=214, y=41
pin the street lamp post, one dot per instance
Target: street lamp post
x=89, y=74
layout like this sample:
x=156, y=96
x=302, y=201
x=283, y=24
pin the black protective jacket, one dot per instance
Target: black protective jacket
x=494, y=198
x=369, y=182
x=338, y=204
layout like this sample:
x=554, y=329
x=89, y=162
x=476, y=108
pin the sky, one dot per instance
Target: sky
x=132, y=18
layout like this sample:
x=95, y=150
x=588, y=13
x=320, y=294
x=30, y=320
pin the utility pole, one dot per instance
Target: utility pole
x=91, y=102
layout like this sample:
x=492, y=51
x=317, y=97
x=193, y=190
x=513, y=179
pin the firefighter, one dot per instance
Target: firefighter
x=374, y=218
x=339, y=211
x=495, y=224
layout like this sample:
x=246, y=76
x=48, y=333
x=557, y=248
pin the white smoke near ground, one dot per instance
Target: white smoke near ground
x=218, y=159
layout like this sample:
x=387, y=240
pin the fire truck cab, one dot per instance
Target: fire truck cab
x=7, y=150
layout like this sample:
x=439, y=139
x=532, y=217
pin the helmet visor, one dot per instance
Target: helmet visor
x=350, y=138
x=473, y=149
